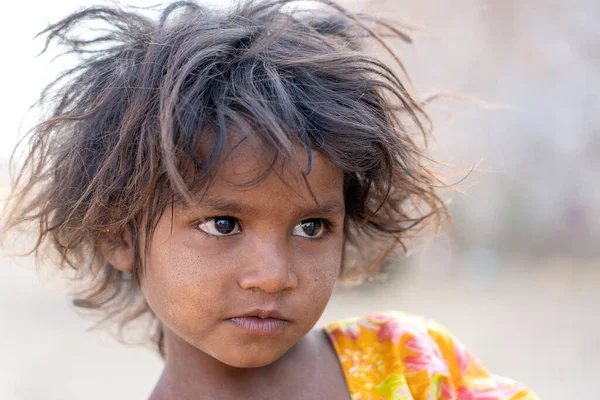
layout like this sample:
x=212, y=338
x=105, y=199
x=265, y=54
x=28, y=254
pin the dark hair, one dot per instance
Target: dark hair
x=121, y=139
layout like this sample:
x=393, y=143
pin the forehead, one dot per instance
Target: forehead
x=250, y=169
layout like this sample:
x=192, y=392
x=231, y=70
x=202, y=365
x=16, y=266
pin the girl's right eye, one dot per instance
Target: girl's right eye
x=220, y=226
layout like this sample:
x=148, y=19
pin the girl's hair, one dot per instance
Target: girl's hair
x=121, y=141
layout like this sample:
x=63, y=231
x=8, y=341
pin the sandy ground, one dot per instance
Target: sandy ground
x=535, y=322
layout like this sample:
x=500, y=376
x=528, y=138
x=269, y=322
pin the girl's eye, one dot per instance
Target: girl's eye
x=309, y=228
x=220, y=226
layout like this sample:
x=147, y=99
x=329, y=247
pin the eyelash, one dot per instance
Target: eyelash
x=328, y=226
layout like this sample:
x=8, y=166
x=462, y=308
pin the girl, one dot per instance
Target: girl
x=218, y=171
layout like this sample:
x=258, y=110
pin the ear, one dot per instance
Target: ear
x=118, y=252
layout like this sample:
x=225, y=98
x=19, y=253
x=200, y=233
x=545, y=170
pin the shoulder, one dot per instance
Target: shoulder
x=374, y=322
x=419, y=354
x=394, y=328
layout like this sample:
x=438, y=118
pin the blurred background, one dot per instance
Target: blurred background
x=517, y=278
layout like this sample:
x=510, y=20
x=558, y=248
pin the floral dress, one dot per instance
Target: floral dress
x=398, y=356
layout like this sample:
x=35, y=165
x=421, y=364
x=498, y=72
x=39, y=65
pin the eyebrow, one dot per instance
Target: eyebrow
x=329, y=208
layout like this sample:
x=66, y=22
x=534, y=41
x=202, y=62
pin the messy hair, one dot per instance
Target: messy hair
x=121, y=139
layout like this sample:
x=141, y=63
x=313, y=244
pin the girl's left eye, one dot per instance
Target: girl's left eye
x=220, y=226
x=310, y=228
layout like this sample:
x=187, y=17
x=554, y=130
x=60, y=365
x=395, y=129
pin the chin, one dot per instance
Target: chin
x=251, y=359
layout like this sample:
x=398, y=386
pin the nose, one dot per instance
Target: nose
x=268, y=268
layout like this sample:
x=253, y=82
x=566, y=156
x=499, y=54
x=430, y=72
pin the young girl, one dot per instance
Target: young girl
x=218, y=170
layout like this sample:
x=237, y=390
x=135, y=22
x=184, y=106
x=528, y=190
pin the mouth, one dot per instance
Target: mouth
x=260, y=322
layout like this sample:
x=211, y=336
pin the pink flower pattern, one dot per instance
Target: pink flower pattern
x=416, y=352
x=428, y=359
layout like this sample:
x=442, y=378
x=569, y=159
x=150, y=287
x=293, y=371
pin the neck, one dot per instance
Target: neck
x=191, y=373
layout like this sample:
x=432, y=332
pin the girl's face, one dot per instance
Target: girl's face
x=248, y=271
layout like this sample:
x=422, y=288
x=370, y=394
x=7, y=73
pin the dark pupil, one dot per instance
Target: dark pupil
x=311, y=227
x=224, y=225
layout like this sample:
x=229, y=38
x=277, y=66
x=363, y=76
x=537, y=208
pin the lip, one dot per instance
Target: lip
x=260, y=322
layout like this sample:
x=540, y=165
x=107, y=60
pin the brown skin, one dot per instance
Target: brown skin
x=195, y=280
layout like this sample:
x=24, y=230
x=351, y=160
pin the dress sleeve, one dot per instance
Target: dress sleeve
x=400, y=356
x=469, y=380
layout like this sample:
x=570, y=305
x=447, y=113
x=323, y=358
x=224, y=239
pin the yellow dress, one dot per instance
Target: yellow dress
x=398, y=356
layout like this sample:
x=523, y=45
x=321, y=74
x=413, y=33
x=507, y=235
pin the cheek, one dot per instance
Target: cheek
x=321, y=269
x=180, y=281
